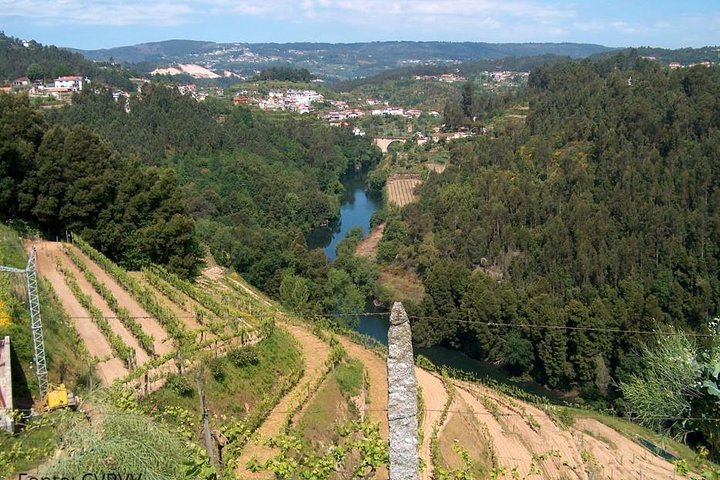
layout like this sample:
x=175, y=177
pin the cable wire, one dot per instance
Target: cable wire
x=531, y=325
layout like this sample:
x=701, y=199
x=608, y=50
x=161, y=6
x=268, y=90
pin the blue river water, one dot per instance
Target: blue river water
x=356, y=209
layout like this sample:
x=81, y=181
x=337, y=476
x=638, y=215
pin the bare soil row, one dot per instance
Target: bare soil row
x=401, y=189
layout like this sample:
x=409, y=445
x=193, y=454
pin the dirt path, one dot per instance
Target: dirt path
x=149, y=325
x=377, y=399
x=367, y=247
x=91, y=335
x=248, y=290
x=377, y=372
x=315, y=351
x=434, y=398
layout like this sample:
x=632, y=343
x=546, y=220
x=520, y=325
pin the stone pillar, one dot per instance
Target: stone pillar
x=402, y=398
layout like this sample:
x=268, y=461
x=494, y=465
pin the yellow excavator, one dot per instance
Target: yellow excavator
x=58, y=396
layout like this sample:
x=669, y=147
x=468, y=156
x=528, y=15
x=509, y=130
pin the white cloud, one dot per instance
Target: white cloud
x=86, y=12
x=483, y=13
x=341, y=20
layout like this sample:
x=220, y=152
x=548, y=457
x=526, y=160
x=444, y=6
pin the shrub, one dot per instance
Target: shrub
x=216, y=368
x=243, y=357
x=179, y=384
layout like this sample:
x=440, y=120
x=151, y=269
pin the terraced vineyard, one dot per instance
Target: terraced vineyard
x=138, y=327
x=144, y=328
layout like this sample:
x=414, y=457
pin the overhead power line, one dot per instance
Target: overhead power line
x=531, y=325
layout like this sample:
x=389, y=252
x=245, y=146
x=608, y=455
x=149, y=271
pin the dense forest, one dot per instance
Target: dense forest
x=286, y=74
x=68, y=179
x=601, y=214
x=256, y=183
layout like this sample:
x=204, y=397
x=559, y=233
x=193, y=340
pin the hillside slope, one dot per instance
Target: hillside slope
x=519, y=438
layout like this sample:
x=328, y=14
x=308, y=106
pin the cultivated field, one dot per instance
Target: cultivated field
x=401, y=189
x=132, y=324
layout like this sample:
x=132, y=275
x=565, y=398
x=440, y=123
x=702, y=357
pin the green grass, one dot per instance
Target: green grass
x=228, y=394
x=331, y=405
x=29, y=449
x=350, y=377
x=317, y=423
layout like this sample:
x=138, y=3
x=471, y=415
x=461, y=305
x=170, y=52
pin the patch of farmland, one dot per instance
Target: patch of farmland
x=401, y=189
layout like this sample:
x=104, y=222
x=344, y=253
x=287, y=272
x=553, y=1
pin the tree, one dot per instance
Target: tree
x=518, y=355
x=468, y=99
x=35, y=71
x=453, y=115
x=678, y=389
x=294, y=292
x=61, y=70
x=341, y=295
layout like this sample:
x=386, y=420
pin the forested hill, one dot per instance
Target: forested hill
x=602, y=212
x=68, y=179
x=42, y=62
x=256, y=182
x=389, y=52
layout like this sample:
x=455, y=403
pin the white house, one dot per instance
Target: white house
x=72, y=82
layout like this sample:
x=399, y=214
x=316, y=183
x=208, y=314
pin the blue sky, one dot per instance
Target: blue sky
x=106, y=23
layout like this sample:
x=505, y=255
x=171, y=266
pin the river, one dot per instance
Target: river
x=356, y=209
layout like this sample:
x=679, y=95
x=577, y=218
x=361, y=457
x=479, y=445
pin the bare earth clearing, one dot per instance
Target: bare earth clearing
x=367, y=247
x=401, y=189
x=436, y=167
x=526, y=438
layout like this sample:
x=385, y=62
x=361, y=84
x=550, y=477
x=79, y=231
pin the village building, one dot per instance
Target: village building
x=73, y=83
x=22, y=82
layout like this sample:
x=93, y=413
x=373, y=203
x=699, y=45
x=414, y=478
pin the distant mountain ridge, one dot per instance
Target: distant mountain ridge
x=170, y=49
x=339, y=60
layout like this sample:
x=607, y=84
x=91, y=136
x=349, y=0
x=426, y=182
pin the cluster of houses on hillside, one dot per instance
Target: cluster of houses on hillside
x=61, y=87
x=199, y=94
x=344, y=114
x=299, y=101
x=445, y=77
x=676, y=65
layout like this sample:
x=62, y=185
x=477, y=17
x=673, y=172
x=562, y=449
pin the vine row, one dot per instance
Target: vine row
x=144, y=296
x=122, y=351
x=122, y=313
